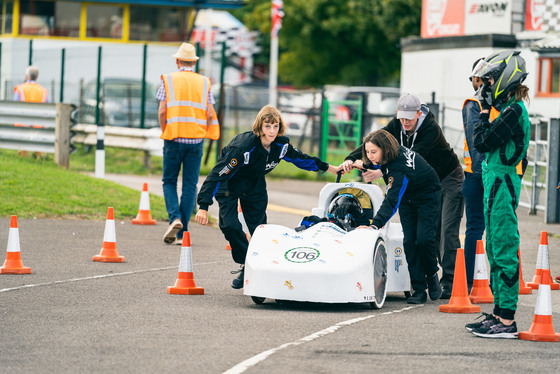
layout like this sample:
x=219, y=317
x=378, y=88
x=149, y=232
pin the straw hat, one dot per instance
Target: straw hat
x=186, y=52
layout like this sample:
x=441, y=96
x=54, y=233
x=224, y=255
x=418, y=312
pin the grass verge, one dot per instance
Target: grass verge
x=32, y=186
x=36, y=187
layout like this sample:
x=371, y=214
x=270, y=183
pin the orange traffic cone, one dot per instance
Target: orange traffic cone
x=109, y=251
x=543, y=263
x=144, y=217
x=481, y=292
x=523, y=289
x=185, y=285
x=13, y=263
x=542, y=329
x=243, y=225
x=460, y=302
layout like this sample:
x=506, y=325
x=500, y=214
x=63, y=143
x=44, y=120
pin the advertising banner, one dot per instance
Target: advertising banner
x=442, y=18
x=488, y=16
x=533, y=14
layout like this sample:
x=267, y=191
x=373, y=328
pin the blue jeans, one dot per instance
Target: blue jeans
x=473, y=191
x=190, y=156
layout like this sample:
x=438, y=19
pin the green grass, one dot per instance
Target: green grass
x=33, y=186
x=37, y=187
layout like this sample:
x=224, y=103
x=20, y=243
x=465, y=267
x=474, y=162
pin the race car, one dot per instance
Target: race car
x=331, y=261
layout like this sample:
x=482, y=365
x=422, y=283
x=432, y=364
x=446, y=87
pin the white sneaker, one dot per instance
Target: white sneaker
x=170, y=235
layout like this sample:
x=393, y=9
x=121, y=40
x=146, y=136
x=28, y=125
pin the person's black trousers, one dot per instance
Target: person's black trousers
x=419, y=219
x=253, y=206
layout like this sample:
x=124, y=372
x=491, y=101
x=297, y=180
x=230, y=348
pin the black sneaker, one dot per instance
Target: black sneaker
x=489, y=318
x=497, y=330
x=434, y=288
x=238, y=282
x=446, y=292
x=418, y=297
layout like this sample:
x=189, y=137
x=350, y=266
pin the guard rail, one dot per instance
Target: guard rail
x=37, y=127
x=146, y=140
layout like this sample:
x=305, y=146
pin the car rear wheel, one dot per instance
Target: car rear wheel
x=258, y=300
x=379, y=275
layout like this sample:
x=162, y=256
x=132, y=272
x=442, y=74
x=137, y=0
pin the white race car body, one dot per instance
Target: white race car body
x=324, y=263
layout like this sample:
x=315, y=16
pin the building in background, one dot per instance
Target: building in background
x=454, y=33
x=36, y=31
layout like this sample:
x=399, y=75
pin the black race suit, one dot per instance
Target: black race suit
x=413, y=187
x=239, y=175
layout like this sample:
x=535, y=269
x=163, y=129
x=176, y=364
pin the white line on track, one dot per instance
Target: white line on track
x=98, y=277
x=252, y=361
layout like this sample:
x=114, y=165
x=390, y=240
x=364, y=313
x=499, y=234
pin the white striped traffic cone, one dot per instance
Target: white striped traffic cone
x=185, y=285
x=542, y=329
x=543, y=263
x=109, y=251
x=243, y=225
x=13, y=263
x=523, y=289
x=144, y=216
x=481, y=292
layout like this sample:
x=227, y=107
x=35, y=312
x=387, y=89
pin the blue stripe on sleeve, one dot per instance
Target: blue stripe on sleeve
x=216, y=189
x=308, y=164
x=401, y=193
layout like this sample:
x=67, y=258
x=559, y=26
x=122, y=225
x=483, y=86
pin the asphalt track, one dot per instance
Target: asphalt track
x=73, y=315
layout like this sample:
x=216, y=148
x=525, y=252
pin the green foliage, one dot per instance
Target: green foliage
x=37, y=187
x=353, y=42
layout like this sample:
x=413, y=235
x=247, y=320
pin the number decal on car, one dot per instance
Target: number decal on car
x=302, y=254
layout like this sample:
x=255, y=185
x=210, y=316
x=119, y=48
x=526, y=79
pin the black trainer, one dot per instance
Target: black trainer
x=497, y=330
x=446, y=292
x=238, y=282
x=418, y=297
x=488, y=319
x=434, y=288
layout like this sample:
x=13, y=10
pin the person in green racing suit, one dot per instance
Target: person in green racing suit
x=504, y=141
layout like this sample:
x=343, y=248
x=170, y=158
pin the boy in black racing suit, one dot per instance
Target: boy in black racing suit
x=239, y=175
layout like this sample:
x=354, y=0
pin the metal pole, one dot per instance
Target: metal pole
x=63, y=60
x=98, y=88
x=535, y=177
x=273, y=74
x=100, y=147
x=208, y=43
x=30, y=52
x=552, y=210
x=143, y=102
x=222, y=99
x=196, y=67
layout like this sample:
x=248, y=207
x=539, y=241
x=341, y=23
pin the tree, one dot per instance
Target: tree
x=352, y=42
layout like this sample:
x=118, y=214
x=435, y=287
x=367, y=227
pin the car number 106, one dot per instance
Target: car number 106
x=302, y=254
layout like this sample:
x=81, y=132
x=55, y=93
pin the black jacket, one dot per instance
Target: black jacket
x=408, y=178
x=428, y=141
x=244, y=162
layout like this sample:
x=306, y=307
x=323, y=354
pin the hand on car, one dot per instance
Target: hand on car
x=334, y=169
x=372, y=175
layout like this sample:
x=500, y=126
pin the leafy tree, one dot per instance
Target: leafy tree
x=353, y=42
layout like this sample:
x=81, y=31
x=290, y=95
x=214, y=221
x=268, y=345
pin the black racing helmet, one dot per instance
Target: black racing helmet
x=508, y=70
x=346, y=208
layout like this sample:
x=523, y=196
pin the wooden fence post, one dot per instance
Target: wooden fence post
x=62, y=135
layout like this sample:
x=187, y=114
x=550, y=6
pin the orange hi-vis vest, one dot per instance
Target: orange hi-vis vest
x=187, y=103
x=494, y=113
x=31, y=92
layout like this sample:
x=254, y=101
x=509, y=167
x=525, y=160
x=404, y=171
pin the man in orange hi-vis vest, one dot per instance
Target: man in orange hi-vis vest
x=30, y=91
x=186, y=117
